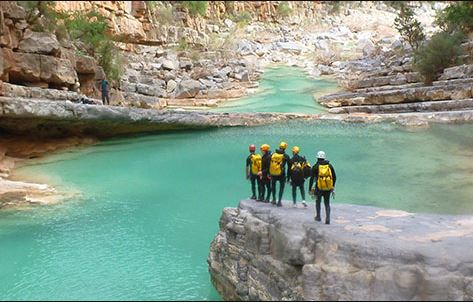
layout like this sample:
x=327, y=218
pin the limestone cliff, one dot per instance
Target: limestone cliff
x=267, y=253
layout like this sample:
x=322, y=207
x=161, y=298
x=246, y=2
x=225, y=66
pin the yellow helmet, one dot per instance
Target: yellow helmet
x=295, y=149
x=283, y=145
x=265, y=147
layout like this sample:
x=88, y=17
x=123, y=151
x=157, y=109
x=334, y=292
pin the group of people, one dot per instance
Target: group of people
x=267, y=169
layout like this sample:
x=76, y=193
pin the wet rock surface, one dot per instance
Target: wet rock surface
x=267, y=253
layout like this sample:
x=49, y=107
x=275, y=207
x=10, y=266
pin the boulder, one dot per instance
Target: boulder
x=242, y=76
x=10, y=37
x=169, y=64
x=149, y=90
x=57, y=71
x=187, y=89
x=40, y=43
x=457, y=72
x=245, y=47
x=85, y=65
x=6, y=63
x=171, y=86
x=185, y=63
x=290, y=47
x=12, y=10
x=26, y=67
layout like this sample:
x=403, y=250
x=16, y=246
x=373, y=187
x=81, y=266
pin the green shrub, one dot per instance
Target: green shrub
x=196, y=8
x=110, y=60
x=165, y=15
x=242, y=18
x=182, y=44
x=151, y=5
x=395, y=4
x=457, y=16
x=89, y=27
x=284, y=10
x=408, y=27
x=442, y=51
x=334, y=7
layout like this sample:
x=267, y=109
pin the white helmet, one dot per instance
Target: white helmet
x=321, y=154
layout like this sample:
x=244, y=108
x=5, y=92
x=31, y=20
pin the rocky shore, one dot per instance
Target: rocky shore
x=17, y=150
x=267, y=253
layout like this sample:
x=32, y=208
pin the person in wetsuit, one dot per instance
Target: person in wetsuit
x=264, y=174
x=296, y=175
x=324, y=175
x=279, y=161
x=252, y=168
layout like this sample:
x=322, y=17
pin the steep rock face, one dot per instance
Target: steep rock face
x=268, y=253
x=29, y=67
x=122, y=24
x=41, y=43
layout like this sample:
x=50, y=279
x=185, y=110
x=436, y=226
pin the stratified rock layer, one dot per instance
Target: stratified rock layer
x=268, y=253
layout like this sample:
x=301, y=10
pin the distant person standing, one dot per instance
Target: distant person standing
x=324, y=175
x=253, y=168
x=105, y=91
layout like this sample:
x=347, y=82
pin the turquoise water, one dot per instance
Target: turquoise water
x=283, y=89
x=150, y=205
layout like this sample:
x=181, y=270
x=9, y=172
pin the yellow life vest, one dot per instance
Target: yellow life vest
x=256, y=163
x=275, y=166
x=325, y=179
x=297, y=167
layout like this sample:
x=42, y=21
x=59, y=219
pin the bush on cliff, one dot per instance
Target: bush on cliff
x=110, y=60
x=457, y=16
x=196, y=8
x=284, y=10
x=442, y=51
x=408, y=27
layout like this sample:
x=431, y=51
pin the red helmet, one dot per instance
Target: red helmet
x=252, y=148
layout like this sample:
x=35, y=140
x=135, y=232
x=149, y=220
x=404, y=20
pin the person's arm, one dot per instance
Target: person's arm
x=334, y=176
x=312, y=176
x=289, y=164
x=247, y=170
x=265, y=166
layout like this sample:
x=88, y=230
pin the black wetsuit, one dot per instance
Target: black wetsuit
x=265, y=181
x=296, y=177
x=280, y=178
x=254, y=179
x=320, y=193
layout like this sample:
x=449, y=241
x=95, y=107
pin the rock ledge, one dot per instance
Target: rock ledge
x=367, y=253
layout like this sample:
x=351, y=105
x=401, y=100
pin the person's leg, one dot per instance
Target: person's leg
x=268, y=189
x=302, y=191
x=103, y=98
x=282, y=182
x=317, y=206
x=327, y=207
x=303, y=194
x=260, y=189
x=253, y=186
x=273, y=189
x=294, y=193
x=108, y=98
